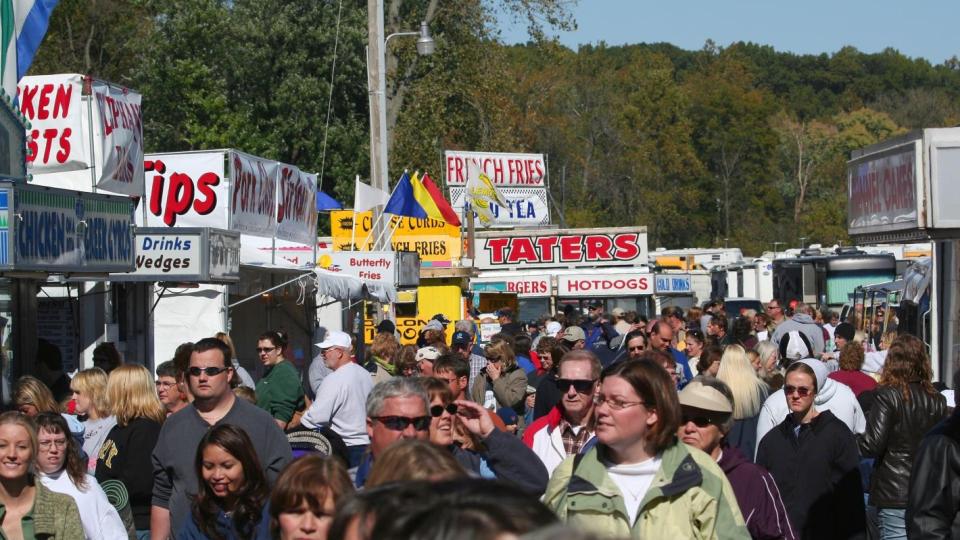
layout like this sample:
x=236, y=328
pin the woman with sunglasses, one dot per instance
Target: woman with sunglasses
x=126, y=453
x=502, y=383
x=232, y=497
x=279, y=391
x=611, y=489
x=814, y=459
x=467, y=431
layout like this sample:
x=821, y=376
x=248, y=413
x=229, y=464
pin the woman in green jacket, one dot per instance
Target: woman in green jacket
x=27, y=509
x=279, y=391
x=639, y=480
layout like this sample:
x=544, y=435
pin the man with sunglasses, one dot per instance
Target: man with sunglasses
x=707, y=408
x=568, y=429
x=342, y=396
x=396, y=409
x=174, y=477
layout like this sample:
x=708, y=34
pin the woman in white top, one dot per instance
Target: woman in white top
x=63, y=471
x=90, y=400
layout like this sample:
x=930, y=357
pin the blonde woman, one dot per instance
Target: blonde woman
x=31, y=397
x=502, y=383
x=125, y=455
x=749, y=393
x=770, y=370
x=89, y=389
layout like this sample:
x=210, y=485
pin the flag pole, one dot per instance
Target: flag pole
x=353, y=231
x=373, y=226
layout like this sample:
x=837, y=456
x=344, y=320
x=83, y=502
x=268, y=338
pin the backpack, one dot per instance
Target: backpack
x=795, y=345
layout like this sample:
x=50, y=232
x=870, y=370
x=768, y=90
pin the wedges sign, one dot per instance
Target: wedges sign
x=563, y=248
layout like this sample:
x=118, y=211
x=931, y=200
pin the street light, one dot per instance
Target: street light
x=377, y=87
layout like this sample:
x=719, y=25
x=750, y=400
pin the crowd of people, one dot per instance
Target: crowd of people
x=781, y=424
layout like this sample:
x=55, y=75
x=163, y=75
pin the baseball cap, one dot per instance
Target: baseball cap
x=504, y=312
x=700, y=396
x=593, y=304
x=335, y=338
x=617, y=312
x=846, y=331
x=461, y=338
x=574, y=333
x=508, y=415
x=428, y=353
x=553, y=328
x=386, y=326
x=442, y=318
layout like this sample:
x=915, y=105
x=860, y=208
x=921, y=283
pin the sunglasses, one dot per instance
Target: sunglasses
x=637, y=348
x=400, y=423
x=802, y=391
x=437, y=410
x=699, y=421
x=493, y=358
x=580, y=385
x=210, y=371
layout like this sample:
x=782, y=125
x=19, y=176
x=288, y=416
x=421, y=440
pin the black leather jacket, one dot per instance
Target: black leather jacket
x=933, y=512
x=894, y=429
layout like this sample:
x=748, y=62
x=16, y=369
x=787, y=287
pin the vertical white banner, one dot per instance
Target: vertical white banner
x=118, y=131
x=253, y=194
x=297, y=205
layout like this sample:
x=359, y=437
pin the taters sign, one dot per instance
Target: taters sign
x=563, y=248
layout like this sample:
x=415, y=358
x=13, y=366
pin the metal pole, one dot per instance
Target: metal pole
x=377, y=85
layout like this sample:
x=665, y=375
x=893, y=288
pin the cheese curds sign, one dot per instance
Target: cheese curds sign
x=435, y=241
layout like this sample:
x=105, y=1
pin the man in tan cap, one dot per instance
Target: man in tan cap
x=707, y=407
x=574, y=337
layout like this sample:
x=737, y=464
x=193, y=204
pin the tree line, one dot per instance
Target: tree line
x=738, y=144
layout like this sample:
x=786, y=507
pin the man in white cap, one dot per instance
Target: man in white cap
x=831, y=396
x=620, y=325
x=426, y=356
x=707, y=407
x=342, y=397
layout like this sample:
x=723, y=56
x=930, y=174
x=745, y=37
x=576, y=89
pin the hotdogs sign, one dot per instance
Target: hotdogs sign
x=562, y=248
x=259, y=197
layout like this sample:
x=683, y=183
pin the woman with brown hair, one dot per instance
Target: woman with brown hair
x=62, y=470
x=306, y=496
x=126, y=453
x=410, y=460
x=232, y=497
x=502, y=384
x=90, y=400
x=905, y=407
x=30, y=510
x=407, y=361
x=383, y=353
x=31, y=397
x=610, y=489
x=279, y=391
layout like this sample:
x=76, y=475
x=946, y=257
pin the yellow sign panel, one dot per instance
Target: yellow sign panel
x=433, y=240
x=431, y=299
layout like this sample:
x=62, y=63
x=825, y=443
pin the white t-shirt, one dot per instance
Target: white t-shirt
x=341, y=404
x=98, y=517
x=633, y=481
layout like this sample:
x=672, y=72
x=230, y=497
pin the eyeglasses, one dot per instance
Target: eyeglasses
x=614, y=403
x=493, y=358
x=802, y=391
x=400, y=423
x=210, y=371
x=437, y=410
x=582, y=386
x=164, y=384
x=637, y=348
x=266, y=349
x=773, y=307
x=59, y=443
x=699, y=421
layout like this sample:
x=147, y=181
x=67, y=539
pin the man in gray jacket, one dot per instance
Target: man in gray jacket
x=802, y=321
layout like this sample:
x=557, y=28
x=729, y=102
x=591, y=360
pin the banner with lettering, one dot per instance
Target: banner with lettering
x=253, y=194
x=118, y=130
x=296, y=205
x=436, y=241
x=58, y=133
x=186, y=190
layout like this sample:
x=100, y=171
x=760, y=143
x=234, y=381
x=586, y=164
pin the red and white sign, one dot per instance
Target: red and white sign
x=253, y=194
x=296, y=205
x=517, y=170
x=882, y=191
x=378, y=266
x=57, y=137
x=563, y=248
x=538, y=286
x=186, y=190
x=604, y=285
x=118, y=129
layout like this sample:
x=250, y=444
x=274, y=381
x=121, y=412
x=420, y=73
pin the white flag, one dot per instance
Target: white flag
x=481, y=193
x=366, y=197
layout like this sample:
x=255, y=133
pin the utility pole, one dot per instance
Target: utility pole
x=377, y=84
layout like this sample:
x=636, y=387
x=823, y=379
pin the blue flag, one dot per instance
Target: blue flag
x=402, y=202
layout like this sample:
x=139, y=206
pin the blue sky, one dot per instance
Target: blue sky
x=923, y=28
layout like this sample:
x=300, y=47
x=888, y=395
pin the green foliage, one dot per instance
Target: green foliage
x=741, y=144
